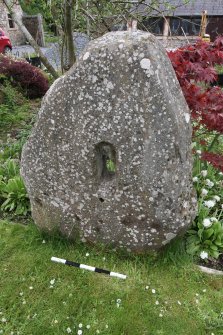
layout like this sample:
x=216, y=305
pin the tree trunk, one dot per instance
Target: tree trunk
x=30, y=39
x=70, y=51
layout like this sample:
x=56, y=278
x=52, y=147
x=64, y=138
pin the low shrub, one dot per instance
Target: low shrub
x=195, y=67
x=30, y=79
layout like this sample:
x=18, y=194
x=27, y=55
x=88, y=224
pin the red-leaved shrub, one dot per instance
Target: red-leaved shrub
x=194, y=67
x=29, y=78
x=215, y=159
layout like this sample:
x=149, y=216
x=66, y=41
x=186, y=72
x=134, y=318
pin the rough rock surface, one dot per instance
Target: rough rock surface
x=109, y=159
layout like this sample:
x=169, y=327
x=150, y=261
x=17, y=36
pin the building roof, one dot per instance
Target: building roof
x=179, y=8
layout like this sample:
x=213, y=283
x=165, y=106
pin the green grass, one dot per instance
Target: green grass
x=188, y=301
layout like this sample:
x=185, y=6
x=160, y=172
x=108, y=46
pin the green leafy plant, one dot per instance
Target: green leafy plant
x=110, y=165
x=9, y=169
x=206, y=241
x=205, y=238
x=14, y=108
x=16, y=198
x=13, y=148
x=12, y=97
x=13, y=195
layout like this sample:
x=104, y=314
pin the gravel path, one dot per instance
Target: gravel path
x=52, y=51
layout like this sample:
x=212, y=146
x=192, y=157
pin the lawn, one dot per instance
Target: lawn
x=163, y=294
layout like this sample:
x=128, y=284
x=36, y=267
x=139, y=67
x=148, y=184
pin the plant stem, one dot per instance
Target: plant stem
x=213, y=142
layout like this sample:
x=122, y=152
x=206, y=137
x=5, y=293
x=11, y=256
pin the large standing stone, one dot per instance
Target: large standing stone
x=109, y=158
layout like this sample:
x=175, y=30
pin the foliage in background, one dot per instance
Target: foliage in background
x=21, y=74
x=194, y=65
x=12, y=148
x=95, y=17
x=14, y=107
x=196, y=68
x=16, y=112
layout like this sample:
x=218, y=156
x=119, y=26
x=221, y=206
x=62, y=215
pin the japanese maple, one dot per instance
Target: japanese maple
x=195, y=69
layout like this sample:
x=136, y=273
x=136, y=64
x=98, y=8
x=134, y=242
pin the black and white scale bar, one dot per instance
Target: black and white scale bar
x=87, y=267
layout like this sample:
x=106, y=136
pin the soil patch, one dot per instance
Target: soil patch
x=216, y=264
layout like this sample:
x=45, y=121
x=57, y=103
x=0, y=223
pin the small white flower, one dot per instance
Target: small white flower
x=213, y=219
x=70, y=295
x=217, y=198
x=197, y=301
x=210, y=203
x=160, y=315
x=157, y=302
x=207, y=223
x=147, y=287
x=104, y=258
x=198, y=152
x=55, y=321
x=204, y=192
x=204, y=290
x=204, y=173
x=79, y=332
x=69, y=330
x=197, y=294
x=195, y=179
x=88, y=326
x=153, y=291
x=203, y=255
x=31, y=288
x=43, y=241
x=3, y=320
x=179, y=303
x=118, y=301
x=52, y=282
x=80, y=325
x=117, y=305
x=98, y=331
x=209, y=183
x=87, y=254
x=106, y=326
x=24, y=302
x=21, y=294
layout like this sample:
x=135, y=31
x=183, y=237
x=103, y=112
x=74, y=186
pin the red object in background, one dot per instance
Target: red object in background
x=5, y=43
